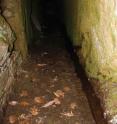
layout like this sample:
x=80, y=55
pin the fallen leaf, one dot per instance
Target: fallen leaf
x=25, y=119
x=68, y=114
x=12, y=119
x=39, y=100
x=24, y=103
x=66, y=89
x=22, y=116
x=40, y=120
x=73, y=105
x=24, y=93
x=59, y=93
x=41, y=65
x=13, y=103
x=34, y=111
x=50, y=103
x=57, y=101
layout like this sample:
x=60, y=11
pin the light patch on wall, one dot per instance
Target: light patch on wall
x=115, y=7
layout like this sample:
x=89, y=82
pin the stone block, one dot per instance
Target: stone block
x=3, y=51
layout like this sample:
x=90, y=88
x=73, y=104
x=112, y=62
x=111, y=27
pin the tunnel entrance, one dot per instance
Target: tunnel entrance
x=50, y=88
x=45, y=13
x=44, y=17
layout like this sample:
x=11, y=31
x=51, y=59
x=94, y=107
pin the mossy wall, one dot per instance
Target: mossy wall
x=92, y=25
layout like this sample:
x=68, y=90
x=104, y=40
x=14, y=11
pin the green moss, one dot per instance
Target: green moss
x=92, y=25
x=85, y=28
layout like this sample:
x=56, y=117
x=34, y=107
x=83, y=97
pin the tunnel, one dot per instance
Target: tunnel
x=58, y=62
x=44, y=16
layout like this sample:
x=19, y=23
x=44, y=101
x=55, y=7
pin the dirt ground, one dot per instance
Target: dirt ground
x=48, y=89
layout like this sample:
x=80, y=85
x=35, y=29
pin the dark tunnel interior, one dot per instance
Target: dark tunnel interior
x=46, y=16
x=53, y=64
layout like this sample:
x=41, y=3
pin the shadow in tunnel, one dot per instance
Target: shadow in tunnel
x=46, y=19
x=93, y=100
x=44, y=16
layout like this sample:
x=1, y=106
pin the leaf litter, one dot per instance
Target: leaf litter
x=34, y=111
x=24, y=93
x=24, y=103
x=55, y=101
x=13, y=103
x=12, y=119
x=66, y=89
x=41, y=65
x=39, y=100
x=24, y=116
x=68, y=114
x=73, y=105
x=59, y=93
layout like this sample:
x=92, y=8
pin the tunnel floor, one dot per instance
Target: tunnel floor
x=47, y=89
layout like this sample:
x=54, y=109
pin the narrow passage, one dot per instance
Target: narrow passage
x=47, y=89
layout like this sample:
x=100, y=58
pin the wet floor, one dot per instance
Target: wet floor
x=48, y=90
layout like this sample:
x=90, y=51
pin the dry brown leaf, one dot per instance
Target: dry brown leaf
x=39, y=100
x=59, y=93
x=73, y=105
x=66, y=89
x=13, y=103
x=24, y=93
x=57, y=101
x=68, y=114
x=34, y=111
x=24, y=103
x=24, y=116
x=12, y=119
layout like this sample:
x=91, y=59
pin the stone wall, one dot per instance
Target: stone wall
x=12, y=10
x=92, y=26
x=9, y=61
x=8, y=70
x=13, y=46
